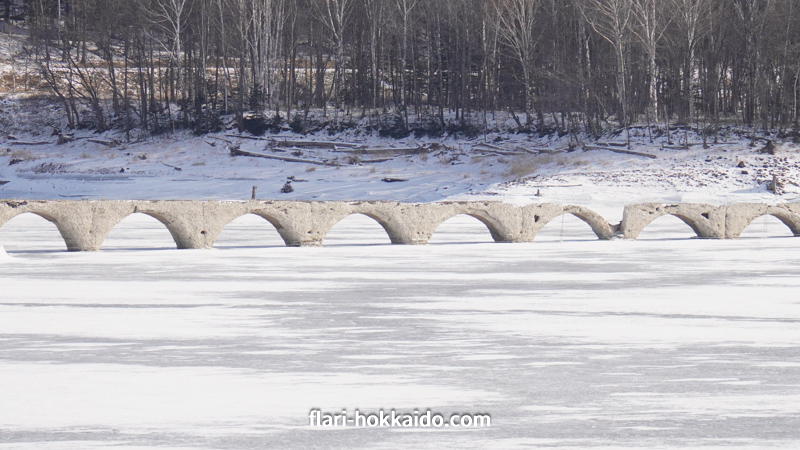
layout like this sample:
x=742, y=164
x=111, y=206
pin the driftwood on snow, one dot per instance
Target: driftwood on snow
x=313, y=144
x=619, y=150
x=30, y=143
x=235, y=151
x=173, y=167
x=383, y=151
x=500, y=152
x=244, y=136
x=549, y=151
x=484, y=144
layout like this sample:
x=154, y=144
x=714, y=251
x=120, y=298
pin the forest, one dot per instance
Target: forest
x=425, y=66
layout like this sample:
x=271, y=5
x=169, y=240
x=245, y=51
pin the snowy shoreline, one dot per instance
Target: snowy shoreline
x=191, y=167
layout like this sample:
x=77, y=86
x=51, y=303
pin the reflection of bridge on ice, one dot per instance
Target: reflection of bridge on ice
x=84, y=225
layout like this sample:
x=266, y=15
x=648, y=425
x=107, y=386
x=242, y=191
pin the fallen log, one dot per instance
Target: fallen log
x=244, y=136
x=314, y=144
x=692, y=144
x=29, y=143
x=502, y=152
x=236, y=152
x=546, y=151
x=379, y=151
x=484, y=144
x=619, y=150
x=394, y=180
x=73, y=196
x=2, y=182
x=173, y=167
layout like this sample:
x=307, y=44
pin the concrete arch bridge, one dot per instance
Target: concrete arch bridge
x=84, y=224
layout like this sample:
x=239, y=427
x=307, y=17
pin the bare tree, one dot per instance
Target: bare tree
x=752, y=16
x=611, y=19
x=692, y=20
x=517, y=19
x=405, y=9
x=169, y=16
x=376, y=18
x=335, y=15
x=650, y=26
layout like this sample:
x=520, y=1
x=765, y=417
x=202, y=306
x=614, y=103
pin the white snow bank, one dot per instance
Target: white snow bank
x=3, y=254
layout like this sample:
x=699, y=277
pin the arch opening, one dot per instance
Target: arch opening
x=358, y=229
x=31, y=233
x=249, y=231
x=139, y=231
x=668, y=226
x=766, y=225
x=462, y=228
x=566, y=227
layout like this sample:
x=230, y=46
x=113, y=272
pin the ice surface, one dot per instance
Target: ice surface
x=567, y=342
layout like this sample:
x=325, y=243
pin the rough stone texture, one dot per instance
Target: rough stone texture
x=84, y=225
x=197, y=224
x=708, y=221
x=741, y=215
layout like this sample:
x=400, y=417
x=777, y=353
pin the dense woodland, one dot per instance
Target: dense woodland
x=424, y=65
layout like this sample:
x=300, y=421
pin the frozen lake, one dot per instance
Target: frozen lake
x=567, y=342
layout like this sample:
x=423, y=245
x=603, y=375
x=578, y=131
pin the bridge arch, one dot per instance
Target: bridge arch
x=706, y=221
x=791, y=223
x=274, y=222
x=43, y=215
x=174, y=231
x=788, y=218
x=568, y=226
x=495, y=230
x=13, y=220
x=682, y=217
x=391, y=233
x=600, y=227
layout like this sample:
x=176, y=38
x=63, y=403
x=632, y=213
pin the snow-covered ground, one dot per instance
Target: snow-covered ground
x=189, y=167
x=568, y=342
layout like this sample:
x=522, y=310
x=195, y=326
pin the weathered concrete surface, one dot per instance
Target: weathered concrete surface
x=708, y=221
x=84, y=224
x=197, y=224
x=741, y=215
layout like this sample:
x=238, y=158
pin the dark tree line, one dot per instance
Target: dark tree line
x=564, y=64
